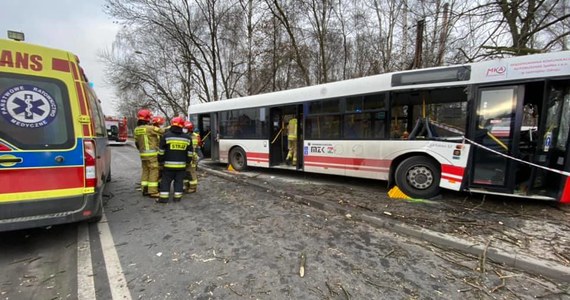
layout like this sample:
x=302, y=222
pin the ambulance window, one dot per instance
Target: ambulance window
x=97, y=115
x=35, y=112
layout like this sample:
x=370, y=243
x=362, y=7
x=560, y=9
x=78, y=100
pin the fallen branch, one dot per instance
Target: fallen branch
x=480, y=288
x=346, y=293
x=230, y=287
x=562, y=257
x=331, y=291
x=389, y=253
x=379, y=286
x=479, y=205
x=554, y=294
x=503, y=282
x=453, y=262
x=484, y=257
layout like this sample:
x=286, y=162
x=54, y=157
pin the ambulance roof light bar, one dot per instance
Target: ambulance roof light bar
x=16, y=35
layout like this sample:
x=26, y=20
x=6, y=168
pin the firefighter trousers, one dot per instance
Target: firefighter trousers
x=149, y=177
x=169, y=175
x=292, y=155
x=191, y=178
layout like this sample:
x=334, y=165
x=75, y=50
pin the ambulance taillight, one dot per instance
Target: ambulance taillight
x=90, y=163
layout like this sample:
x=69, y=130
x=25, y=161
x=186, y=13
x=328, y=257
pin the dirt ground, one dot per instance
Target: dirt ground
x=535, y=228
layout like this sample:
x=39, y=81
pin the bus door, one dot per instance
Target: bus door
x=277, y=144
x=214, y=137
x=205, y=129
x=552, y=147
x=495, y=134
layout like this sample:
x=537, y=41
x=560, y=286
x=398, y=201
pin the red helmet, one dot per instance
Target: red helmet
x=177, y=121
x=188, y=125
x=158, y=120
x=144, y=114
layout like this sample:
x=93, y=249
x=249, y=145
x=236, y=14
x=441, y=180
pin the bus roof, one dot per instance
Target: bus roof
x=505, y=69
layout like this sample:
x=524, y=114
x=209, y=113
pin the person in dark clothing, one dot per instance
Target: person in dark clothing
x=175, y=151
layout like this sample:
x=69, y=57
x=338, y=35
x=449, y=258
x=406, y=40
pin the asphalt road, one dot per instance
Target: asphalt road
x=231, y=240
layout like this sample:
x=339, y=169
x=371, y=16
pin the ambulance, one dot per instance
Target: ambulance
x=54, y=153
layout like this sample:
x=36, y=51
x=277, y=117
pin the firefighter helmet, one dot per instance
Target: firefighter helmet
x=158, y=120
x=188, y=125
x=144, y=114
x=177, y=121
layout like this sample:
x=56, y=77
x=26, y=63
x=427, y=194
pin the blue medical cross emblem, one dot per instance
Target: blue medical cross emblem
x=29, y=106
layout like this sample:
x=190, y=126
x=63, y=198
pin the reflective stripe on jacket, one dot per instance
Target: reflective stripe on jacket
x=175, y=149
x=147, y=138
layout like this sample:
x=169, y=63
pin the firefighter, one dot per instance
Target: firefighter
x=292, y=140
x=191, y=178
x=158, y=122
x=175, y=150
x=198, y=144
x=146, y=140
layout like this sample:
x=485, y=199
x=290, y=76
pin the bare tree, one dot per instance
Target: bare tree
x=286, y=17
x=530, y=26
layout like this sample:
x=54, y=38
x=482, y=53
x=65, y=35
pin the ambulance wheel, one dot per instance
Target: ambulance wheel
x=418, y=177
x=238, y=160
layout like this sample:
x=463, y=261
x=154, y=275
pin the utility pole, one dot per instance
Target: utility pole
x=417, y=63
x=443, y=34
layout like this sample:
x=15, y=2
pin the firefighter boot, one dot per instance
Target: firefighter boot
x=145, y=190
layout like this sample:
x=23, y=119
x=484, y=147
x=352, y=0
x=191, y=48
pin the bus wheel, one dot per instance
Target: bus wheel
x=418, y=177
x=238, y=159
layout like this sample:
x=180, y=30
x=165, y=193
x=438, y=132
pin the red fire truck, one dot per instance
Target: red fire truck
x=116, y=129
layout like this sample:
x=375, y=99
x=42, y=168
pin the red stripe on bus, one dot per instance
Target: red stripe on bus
x=347, y=167
x=451, y=179
x=30, y=180
x=74, y=71
x=453, y=170
x=258, y=161
x=324, y=166
x=60, y=65
x=565, y=198
x=257, y=155
x=349, y=161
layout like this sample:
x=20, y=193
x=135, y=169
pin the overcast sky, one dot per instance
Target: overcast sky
x=78, y=26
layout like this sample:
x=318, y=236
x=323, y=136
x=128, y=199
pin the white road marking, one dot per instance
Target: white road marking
x=117, y=281
x=85, y=283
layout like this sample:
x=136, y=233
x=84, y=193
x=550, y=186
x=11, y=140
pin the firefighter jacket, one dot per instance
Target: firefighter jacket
x=292, y=129
x=196, y=140
x=175, y=149
x=146, y=139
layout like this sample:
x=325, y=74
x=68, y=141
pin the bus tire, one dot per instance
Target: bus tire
x=238, y=160
x=418, y=177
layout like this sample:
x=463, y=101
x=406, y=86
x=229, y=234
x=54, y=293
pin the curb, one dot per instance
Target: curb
x=507, y=257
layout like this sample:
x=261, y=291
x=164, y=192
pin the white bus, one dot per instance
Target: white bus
x=497, y=127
